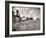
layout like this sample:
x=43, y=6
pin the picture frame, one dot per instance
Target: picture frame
x=9, y=8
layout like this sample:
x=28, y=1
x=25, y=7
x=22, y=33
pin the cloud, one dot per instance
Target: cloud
x=28, y=12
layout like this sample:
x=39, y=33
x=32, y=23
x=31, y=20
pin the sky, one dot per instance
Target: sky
x=27, y=12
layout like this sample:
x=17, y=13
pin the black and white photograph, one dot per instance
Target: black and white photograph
x=26, y=18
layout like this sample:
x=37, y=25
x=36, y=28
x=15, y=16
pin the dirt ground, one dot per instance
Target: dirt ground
x=26, y=25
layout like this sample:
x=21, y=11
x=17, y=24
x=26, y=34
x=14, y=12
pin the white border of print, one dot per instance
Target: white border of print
x=25, y=32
